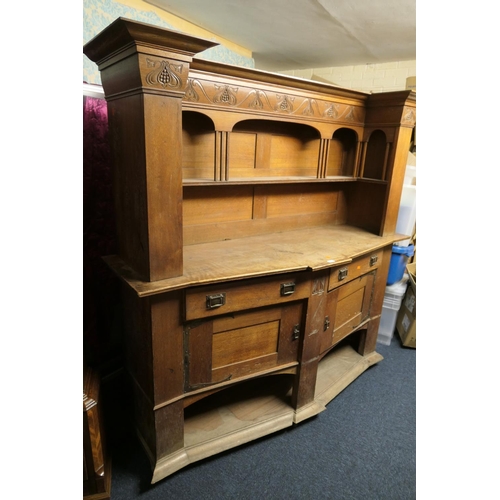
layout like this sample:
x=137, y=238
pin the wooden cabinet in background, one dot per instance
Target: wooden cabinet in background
x=96, y=462
x=255, y=216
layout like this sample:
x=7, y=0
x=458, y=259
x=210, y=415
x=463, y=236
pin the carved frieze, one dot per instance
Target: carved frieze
x=205, y=92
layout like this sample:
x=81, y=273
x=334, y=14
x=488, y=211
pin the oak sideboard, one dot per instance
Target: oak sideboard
x=256, y=215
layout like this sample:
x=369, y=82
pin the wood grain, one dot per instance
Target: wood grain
x=301, y=250
x=232, y=180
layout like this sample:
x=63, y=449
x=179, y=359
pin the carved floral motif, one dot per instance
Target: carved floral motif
x=350, y=114
x=409, y=116
x=332, y=111
x=318, y=286
x=256, y=102
x=191, y=94
x=284, y=103
x=309, y=111
x=226, y=95
x=164, y=74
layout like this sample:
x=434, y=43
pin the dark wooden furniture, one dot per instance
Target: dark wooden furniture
x=96, y=462
x=256, y=216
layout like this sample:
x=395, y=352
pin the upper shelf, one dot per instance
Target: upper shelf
x=257, y=149
x=274, y=180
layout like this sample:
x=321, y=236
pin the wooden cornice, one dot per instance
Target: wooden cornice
x=123, y=33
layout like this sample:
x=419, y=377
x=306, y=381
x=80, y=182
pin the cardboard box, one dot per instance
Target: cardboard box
x=411, y=83
x=406, y=323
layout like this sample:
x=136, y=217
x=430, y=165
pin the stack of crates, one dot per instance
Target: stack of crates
x=393, y=298
x=402, y=251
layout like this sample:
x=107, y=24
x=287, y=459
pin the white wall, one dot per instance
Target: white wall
x=366, y=77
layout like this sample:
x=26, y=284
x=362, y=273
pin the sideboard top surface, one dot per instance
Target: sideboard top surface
x=309, y=249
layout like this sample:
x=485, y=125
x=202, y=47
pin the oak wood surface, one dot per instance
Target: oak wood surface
x=338, y=369
x=340, y=275
x=246, y=294
x=232, y=346
x=232, y=180
x=303, y=393
x=305, y=249
x=96, y=460
x=352, y=306
x=239, y=416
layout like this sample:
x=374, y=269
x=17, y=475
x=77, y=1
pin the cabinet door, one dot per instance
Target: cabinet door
x=241, y=344
x=347, y=307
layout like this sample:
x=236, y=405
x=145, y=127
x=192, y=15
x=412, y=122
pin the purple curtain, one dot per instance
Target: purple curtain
x=100, y=287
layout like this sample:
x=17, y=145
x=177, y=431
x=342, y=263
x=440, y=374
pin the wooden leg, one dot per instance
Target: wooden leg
x=303, y=391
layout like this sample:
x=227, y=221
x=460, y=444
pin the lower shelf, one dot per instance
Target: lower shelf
x=338, y=369
x=257, y=408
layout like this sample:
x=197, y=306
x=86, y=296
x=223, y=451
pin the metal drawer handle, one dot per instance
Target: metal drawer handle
x=343, y=273
x=327, y=324
x=287, y=289
x=214, y=301
x=373, y=260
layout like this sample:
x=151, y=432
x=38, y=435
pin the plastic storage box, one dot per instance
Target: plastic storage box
x=407, y=214
x=393, y=298
x=410, y=175
x=399, y=258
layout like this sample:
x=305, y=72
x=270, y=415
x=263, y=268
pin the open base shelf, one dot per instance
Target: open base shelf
x=257, y=408
x=338, y=369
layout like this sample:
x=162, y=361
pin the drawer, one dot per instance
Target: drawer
x=212, y=300
x=343, y=274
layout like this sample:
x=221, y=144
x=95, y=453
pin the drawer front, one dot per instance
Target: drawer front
x=208, y=301
x=241, y=344
x=343, y=274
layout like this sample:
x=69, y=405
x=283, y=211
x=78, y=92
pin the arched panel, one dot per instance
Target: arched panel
x=198, y=146
x=267, y=148
x=376, y=156
x=342, y=153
